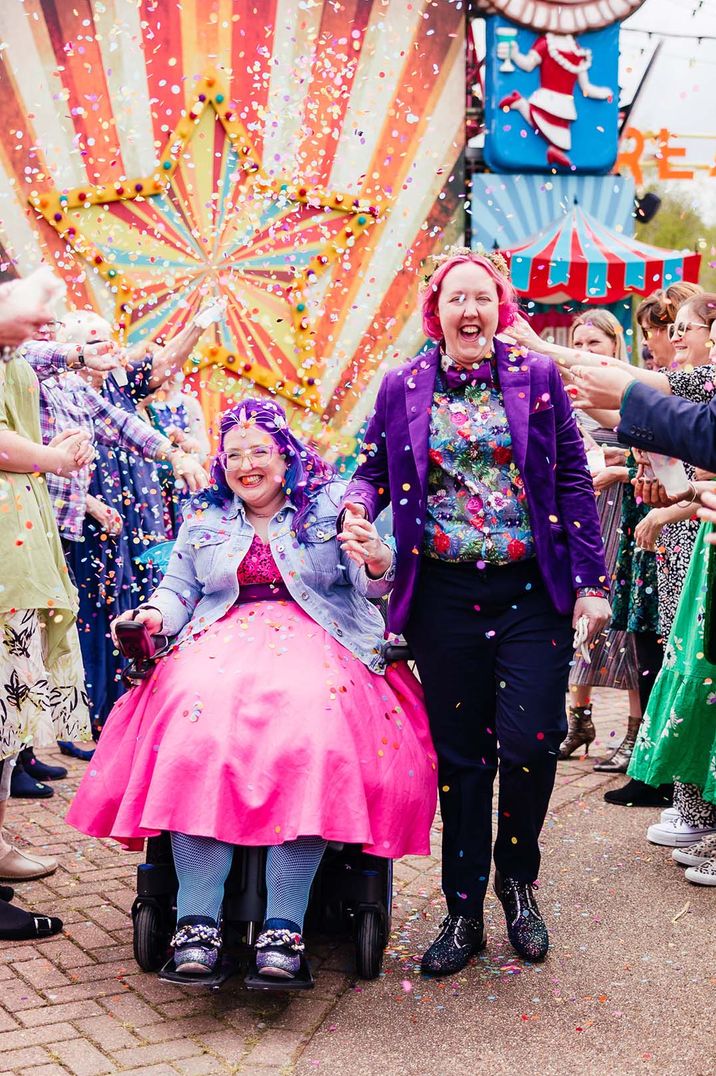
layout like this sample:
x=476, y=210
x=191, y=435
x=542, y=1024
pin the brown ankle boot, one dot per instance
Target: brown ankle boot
x=580, y=731
x=619, y=761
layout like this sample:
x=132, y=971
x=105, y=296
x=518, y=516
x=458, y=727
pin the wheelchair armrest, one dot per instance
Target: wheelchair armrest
x=396, y=652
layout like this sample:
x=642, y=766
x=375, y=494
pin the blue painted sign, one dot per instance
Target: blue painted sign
x=551, y=100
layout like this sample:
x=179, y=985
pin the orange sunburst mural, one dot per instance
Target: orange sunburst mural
x=300, y=159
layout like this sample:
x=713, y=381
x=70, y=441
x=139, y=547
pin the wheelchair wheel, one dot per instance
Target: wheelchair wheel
x=150, y=939
x=369, y=945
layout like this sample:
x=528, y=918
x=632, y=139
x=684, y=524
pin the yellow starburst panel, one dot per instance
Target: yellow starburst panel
x=210, y=222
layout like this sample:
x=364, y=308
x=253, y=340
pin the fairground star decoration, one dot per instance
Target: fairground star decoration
x=208, y=222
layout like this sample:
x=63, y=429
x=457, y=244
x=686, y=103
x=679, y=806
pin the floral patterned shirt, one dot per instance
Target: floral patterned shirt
x=476, y=509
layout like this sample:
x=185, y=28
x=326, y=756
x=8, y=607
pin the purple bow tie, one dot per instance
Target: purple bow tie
x=457, y=377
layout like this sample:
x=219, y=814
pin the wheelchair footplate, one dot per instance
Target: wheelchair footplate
x=303, y=980
x=215, y=979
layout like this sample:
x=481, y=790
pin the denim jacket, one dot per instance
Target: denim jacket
x=201, y=585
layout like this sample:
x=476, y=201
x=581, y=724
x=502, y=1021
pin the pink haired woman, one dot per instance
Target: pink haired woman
x=499, y=554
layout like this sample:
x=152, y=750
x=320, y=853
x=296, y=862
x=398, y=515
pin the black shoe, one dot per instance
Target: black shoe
x=24, y=787
x=68, y=748
x=458, y=939
x=637, y=794
x=526, y=928
x=40, y=771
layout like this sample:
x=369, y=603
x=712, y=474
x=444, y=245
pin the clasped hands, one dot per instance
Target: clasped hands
x=362, y=543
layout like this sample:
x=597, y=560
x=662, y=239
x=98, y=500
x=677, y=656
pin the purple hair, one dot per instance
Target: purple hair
x=306, y=471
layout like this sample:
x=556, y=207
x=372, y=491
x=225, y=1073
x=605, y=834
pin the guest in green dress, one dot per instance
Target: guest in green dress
x=677, y=739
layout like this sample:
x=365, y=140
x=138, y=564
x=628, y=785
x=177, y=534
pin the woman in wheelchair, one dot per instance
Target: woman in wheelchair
x=271, y=719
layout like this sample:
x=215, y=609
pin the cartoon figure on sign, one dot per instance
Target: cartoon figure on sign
x=551, y=110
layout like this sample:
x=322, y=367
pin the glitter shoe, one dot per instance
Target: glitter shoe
x=526, y=928
x=196, y=944
x=703, y=875
x=696, y=854
x=458, y=939
x=278, y=953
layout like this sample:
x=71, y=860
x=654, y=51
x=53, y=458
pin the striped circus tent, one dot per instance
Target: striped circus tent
x=578, y=257
x=300, y=159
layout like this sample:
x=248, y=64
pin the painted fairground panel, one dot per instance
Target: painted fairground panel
x=551, y=99
x=300, y=160
x=507, y=208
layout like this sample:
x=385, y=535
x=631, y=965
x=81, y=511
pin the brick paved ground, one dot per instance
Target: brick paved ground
x=78, y=1003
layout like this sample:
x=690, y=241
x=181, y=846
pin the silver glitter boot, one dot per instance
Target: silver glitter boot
x=196, y=944
x=278, y=953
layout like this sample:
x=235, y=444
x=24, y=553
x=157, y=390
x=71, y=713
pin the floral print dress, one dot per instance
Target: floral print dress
x=42, y=690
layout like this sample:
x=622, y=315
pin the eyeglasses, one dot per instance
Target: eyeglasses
x=260, y=456
x=676, y=332
x=655, y=330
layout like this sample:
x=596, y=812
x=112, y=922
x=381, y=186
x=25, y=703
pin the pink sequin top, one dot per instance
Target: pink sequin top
x=258, y=566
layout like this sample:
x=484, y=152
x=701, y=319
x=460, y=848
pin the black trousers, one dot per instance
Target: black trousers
x=493, y=657
x=649, y=658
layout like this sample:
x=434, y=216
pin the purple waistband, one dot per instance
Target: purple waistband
x=263, y=592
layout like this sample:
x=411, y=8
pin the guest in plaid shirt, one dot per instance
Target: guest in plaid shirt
x=67, y=402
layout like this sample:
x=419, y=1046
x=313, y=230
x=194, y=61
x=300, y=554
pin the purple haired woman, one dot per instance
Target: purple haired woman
x=272, y=720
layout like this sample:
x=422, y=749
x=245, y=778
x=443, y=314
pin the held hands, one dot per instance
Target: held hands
x=102, y=356
x=151, y=618
x=598, y=613
x=599, y=387
x=362, y=543
x=108, y=518
x=188, y=470
x=71, y=451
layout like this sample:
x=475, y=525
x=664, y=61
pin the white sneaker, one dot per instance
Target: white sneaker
x=668, y=813
x=676, y=833
x=696, y=854
x=703, y=875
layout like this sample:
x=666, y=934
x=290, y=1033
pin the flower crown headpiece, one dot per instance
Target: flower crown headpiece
x=494, y=257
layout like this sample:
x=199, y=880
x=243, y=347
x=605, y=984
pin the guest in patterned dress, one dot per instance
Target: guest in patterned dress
x=276, y=682
x=499, y=555
x=670, y=531
x=69, y=397
x=612, y=655
x=42, y=692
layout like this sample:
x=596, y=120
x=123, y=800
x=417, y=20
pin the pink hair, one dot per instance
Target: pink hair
x=506, y=297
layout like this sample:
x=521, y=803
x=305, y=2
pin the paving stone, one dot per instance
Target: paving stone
x=55, y=1014
x=156, y=1052
x=41, y=973
x=202, y=1065
x=35, y=1036
x=82, y=1058
x=88, y=935
x=226, y=1044
x=130, y=1009
x=276, y=1048
x=8, y=1022
x=63, y=952
x=20, y=1061
x=108, y=1032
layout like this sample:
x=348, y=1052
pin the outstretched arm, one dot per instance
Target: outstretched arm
x=597, y=93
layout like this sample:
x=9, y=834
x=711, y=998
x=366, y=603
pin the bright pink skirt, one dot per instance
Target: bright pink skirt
x=262, y=729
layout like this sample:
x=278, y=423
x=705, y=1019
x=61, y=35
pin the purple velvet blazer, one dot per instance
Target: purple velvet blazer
x=547, y=449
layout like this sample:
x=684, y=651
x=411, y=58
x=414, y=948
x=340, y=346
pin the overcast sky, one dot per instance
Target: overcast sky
x=681, y=92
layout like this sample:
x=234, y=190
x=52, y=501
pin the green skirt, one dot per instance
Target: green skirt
x=677, y=738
